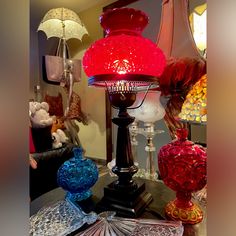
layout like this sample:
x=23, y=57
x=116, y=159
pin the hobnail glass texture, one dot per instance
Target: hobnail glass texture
x=123, y=54
x=110, y=225
x=182, y=164
x=60, y=219
x=124, y=50
x=77, y=176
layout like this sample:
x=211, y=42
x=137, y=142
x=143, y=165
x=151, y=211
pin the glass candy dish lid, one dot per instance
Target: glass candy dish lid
x=60, y=219
x=110, y=225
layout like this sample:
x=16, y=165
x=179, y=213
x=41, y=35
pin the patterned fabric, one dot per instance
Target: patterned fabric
x=55, y=104
x=74, y=109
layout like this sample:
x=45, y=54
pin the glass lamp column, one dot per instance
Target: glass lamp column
x=150, y=112
x=149, y=132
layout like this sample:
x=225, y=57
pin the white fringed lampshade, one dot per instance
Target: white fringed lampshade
x=62, y=23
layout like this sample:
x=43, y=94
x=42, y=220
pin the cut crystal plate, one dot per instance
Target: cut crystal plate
x=60, y=219
x=110, y=225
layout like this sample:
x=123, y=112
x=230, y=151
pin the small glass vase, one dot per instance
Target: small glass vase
x=77, y=176
x=182, y=165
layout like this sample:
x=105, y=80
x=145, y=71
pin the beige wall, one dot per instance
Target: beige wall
x=93, y=136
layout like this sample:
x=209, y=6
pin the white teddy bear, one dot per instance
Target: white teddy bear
x=59, y=138
x=39, y=115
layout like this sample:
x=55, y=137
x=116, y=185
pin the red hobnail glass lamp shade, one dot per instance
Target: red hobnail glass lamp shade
x=124, y=51
x=182, y=165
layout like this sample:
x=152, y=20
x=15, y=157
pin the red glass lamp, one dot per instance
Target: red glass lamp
x=124, y=62
x=182, y=165
x=124, y=51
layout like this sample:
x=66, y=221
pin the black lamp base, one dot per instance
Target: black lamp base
x=125, y=203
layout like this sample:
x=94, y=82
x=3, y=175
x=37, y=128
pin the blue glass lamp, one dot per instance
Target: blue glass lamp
x=77, y=176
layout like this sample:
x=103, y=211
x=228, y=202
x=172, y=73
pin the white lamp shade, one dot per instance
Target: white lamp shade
x=62, y=23
x=151, y=109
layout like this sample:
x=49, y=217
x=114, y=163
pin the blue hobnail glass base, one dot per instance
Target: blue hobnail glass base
x=77, y=175
x=76, y=197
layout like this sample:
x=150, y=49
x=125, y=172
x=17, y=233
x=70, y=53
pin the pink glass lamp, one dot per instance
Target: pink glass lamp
x=124, y=62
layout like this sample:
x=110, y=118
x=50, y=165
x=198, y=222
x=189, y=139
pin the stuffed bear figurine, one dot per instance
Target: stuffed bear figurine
x=39, y=115
x=58, y=123
x=59, y=138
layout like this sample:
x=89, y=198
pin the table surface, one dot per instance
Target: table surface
x=160, y=193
